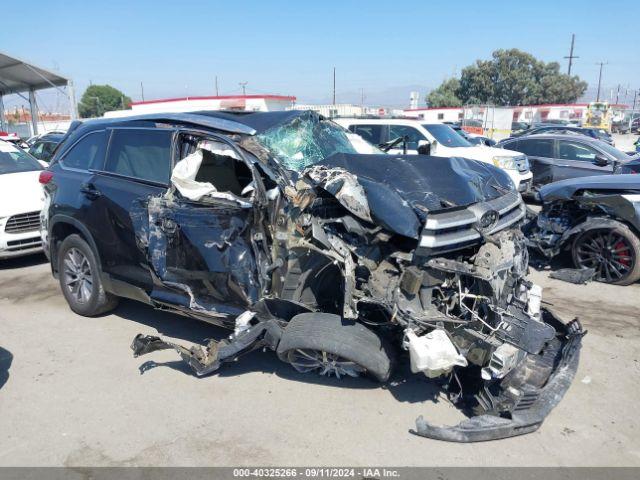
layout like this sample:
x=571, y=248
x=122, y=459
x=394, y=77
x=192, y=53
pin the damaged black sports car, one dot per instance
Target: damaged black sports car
x=597, y=220
x=303, y=239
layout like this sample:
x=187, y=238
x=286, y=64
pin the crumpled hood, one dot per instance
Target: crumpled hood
x=566, y=189
x=399, y=191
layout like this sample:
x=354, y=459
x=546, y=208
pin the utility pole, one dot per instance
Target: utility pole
x=600, y=79
x=334, y=85
x=142, y=91
x=244, y=87
x=571, y=55
x=217, y=92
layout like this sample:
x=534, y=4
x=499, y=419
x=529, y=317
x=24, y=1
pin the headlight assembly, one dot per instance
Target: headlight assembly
x=508, y=163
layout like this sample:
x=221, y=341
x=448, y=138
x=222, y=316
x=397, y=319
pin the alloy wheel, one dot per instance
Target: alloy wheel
x=608, y=252
x=77, y=275
x=325, y=363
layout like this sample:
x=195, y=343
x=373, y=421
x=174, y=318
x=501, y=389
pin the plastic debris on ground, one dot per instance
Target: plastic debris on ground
x=579, y=276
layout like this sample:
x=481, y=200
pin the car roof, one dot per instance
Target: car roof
x=381, y=121
x=247, y=123
x=555, y=136
x=565, y=127
x=49, y=137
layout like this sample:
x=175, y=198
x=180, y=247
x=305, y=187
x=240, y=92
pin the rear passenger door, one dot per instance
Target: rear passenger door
x=138, y=165
x=540, y=152
x=76, y=169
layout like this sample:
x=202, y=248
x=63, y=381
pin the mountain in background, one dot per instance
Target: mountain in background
x=608, y=94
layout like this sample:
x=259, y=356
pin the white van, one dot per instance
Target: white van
x=439, y=140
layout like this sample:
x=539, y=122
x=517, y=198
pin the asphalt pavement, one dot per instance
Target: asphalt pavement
x=71, y=394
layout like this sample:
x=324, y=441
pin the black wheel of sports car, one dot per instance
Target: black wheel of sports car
x=612, y=252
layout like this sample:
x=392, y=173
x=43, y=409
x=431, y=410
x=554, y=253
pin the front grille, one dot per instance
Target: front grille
x=448, y=231
x=24, y=244
x=25, y=222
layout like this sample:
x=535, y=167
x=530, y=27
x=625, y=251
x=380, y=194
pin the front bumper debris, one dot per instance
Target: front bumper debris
x=204, y=361
x=490, y=427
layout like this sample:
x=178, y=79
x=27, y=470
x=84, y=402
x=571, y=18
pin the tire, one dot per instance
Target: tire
x=617, y=261
x=348, y=343
x=85, y=295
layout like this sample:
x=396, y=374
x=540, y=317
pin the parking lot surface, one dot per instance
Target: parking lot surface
x=74, y=395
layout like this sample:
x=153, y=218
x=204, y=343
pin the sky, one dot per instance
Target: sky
x=382, y=48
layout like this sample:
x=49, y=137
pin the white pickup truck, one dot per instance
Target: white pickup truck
x=439, y=140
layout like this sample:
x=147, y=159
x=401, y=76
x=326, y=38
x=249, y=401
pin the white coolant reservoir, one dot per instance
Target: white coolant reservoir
x=433, y=353
x=535, y=299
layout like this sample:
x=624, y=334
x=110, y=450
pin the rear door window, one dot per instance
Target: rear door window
x=536, y=147
x=371, y=133
x=142, y=154
x=87, y=153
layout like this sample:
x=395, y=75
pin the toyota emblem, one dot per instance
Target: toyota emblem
x=488, y=220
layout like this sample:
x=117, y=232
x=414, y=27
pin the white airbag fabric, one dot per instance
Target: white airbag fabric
x=184, y=174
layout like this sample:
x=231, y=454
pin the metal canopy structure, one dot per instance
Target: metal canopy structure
x=17, y=76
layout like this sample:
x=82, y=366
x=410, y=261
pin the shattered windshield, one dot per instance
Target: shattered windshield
x=305, y=141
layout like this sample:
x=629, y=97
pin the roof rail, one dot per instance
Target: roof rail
x=195, y=119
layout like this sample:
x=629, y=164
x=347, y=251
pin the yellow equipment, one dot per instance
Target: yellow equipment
x=598, y=116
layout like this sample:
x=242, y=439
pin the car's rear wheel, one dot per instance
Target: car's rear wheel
x=80, y=279
x=614, y=253
x=328, y=345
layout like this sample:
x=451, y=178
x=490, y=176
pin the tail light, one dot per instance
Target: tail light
x=45, y=177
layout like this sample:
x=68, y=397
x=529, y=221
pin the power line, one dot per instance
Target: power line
x=571, y=55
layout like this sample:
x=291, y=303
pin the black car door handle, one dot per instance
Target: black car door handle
x=90, y=191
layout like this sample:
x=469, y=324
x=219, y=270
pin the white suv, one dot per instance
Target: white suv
x=438, y=140
x=21, y=199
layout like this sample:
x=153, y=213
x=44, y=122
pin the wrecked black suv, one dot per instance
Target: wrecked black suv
x=276, y=226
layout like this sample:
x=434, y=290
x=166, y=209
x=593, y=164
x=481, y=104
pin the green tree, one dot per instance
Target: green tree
x=513, y=77
x=98, y=99
x=446, y=95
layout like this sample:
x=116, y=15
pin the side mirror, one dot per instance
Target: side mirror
x=601, y=161
x=424, y=147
